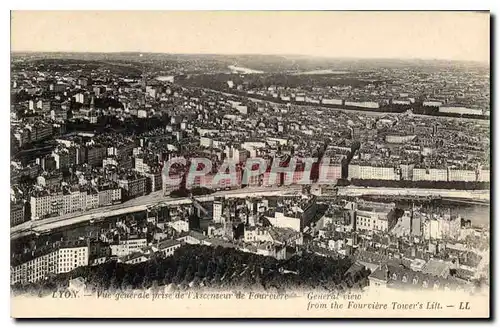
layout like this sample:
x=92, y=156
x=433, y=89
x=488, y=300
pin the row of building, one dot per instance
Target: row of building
x=51, y=259
x=45, y=203
x=409, y=172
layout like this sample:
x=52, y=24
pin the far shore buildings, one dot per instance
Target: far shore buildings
x=45, y=202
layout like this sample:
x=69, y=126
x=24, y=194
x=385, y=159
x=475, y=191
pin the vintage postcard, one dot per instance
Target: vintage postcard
x=250, y=164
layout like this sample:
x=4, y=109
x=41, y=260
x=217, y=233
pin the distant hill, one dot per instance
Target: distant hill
x=267, y=63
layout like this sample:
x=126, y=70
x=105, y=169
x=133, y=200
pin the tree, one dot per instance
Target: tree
x=217, y=267
x=125, y=281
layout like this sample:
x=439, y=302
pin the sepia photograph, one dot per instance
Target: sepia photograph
x=250, y=164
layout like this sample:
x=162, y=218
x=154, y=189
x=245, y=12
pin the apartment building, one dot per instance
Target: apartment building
x=16, y=214
x=45, y=203
x=72, y=256
x=51, y=259
x=126, y=247
x=369, y=172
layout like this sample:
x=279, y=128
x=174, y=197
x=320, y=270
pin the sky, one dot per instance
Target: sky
x=404, y=35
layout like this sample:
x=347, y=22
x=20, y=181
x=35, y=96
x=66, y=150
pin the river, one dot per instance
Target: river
x=322, y=71
x=243, y=70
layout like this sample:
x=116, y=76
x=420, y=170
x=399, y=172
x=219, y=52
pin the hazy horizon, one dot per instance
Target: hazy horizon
x=243, y=54
x=444, y=36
